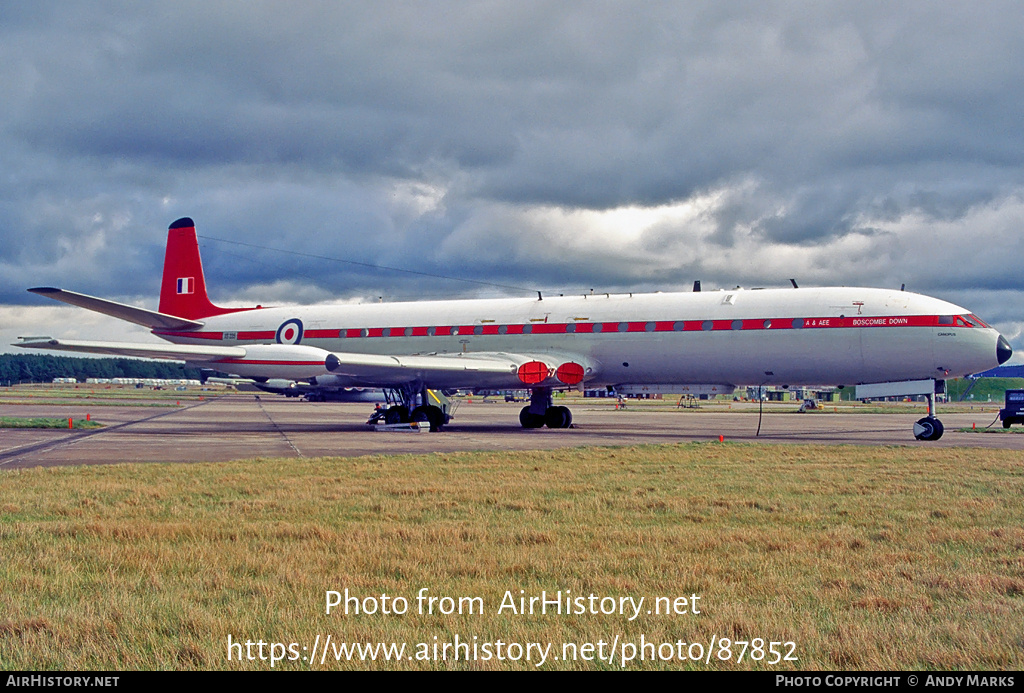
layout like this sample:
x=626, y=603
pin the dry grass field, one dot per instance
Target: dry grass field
x=864, y=558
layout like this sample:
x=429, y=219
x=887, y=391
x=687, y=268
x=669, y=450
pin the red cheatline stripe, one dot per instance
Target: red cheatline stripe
x=272, y=363
x=191, y=335
x=632, y=326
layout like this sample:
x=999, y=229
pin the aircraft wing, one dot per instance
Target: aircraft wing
x=299, y=361
x=176, y=352
x=472, y=370
x=294, y=361
x=391, y=369
x=140, y=316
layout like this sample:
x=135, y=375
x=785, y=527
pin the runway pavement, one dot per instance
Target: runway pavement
x=241, y=426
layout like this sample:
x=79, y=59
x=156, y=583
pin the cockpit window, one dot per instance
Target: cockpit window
x=961, y=321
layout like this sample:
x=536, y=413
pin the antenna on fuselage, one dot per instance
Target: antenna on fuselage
x=793, y=282
x=696, y=286
x=539, y=297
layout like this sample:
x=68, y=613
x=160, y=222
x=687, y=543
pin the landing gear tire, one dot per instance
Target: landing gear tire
x=558, y=417
x=529, y=420
x=928, y=428
x=431, y=415
x=396, y=414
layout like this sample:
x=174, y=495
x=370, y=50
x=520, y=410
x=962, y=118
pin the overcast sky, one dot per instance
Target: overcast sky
x=550, y=145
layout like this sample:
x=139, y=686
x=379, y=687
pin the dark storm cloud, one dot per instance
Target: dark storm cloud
x=843, y=143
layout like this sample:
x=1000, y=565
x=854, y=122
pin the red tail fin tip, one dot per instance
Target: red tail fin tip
x=183, y=289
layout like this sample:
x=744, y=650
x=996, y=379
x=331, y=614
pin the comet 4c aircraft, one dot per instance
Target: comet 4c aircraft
x=892, y=342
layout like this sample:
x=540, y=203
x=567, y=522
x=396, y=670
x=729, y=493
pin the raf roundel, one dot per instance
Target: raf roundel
x=290, y=332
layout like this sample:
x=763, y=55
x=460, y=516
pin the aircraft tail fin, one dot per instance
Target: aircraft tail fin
x=183, y=289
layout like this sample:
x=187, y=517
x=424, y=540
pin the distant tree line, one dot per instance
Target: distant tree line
x=43, y=368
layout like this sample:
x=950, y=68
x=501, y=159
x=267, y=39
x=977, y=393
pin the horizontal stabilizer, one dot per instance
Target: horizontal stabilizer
x=140, y=316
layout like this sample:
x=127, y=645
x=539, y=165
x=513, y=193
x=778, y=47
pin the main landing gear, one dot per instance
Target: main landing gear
x=542, y=412
x=928, y=428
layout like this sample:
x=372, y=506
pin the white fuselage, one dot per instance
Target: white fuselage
x=739, y=337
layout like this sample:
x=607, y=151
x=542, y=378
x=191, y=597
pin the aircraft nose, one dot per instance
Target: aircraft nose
x=1003, y=350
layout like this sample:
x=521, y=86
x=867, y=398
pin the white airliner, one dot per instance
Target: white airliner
x=699, y=342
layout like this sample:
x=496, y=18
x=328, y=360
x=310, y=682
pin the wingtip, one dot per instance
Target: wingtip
x=33, y=342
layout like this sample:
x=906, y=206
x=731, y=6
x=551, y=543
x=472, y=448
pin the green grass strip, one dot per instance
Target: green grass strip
x=44, y=422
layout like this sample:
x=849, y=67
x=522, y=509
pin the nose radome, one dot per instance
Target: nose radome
x=1003, y=350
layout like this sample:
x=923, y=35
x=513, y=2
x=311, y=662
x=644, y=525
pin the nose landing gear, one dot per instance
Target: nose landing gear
x=928, y=428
